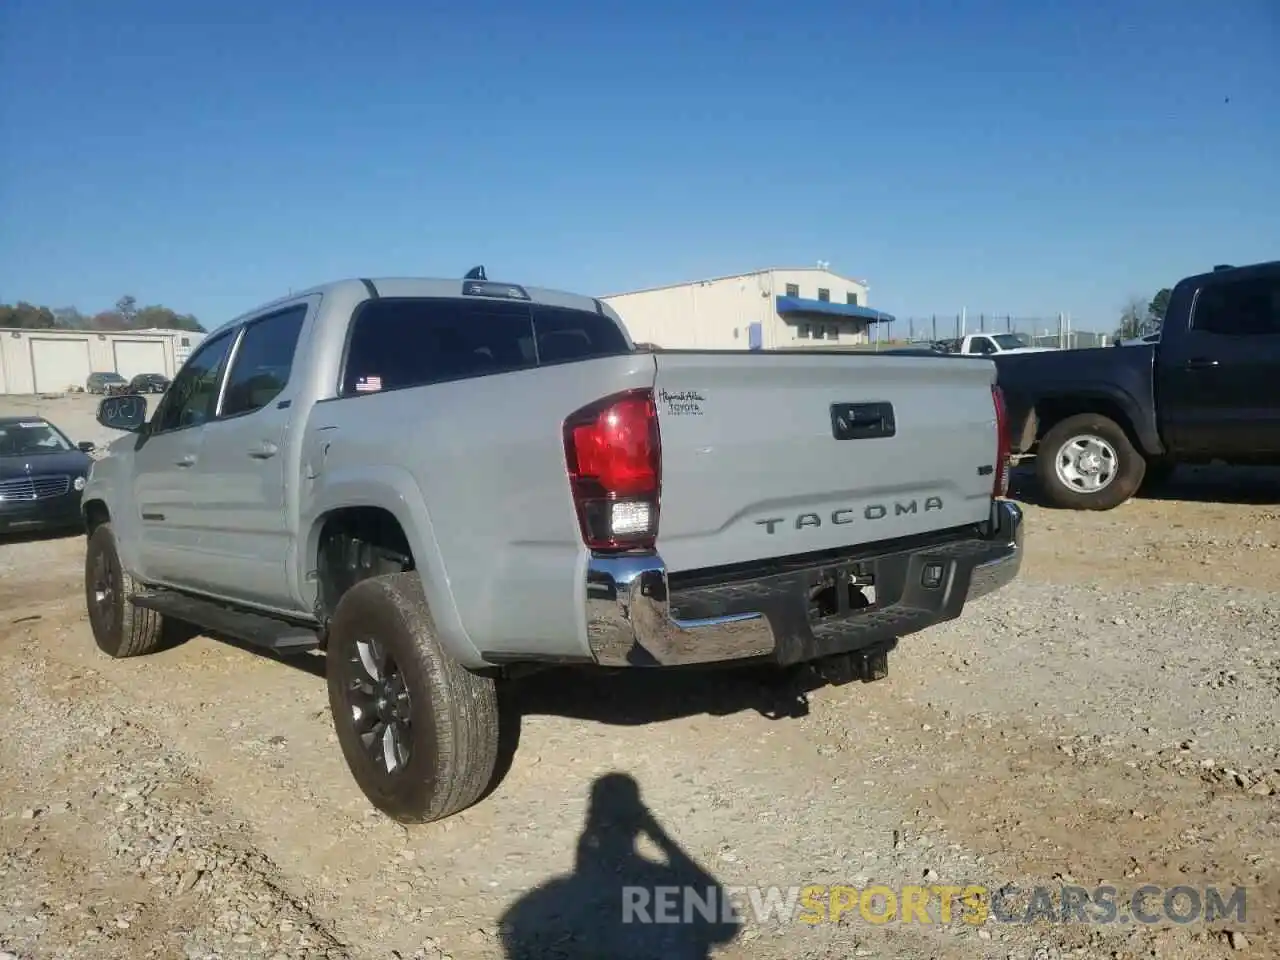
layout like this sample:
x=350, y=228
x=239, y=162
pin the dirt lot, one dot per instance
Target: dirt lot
x=1109, y=719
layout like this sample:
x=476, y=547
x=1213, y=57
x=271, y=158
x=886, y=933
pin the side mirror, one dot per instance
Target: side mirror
x=87, y=446
x=127, y=413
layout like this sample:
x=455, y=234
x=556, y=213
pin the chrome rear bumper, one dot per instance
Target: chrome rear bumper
x=635, y=619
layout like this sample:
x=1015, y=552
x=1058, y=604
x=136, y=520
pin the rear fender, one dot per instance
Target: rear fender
x=1053, y=406
x=395, y=491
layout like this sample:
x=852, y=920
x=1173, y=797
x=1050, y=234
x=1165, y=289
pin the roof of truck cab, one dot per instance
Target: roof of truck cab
x=1233, y=272
x=424, y=287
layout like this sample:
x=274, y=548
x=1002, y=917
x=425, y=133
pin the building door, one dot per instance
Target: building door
x=138, y=356
x=59, y=363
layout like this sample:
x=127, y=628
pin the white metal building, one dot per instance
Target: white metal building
x=55, y=361
x=779, y=308
x=184, y=341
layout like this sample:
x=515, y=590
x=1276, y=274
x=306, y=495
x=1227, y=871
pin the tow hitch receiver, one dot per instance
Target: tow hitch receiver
x=867, y=665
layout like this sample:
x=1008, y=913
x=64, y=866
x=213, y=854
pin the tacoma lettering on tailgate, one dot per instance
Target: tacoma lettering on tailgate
x=872, y=511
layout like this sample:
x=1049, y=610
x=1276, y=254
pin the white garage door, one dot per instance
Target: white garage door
x=139, y=356
x=59, y=364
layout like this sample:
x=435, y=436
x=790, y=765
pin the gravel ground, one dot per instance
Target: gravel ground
x=1109, y=719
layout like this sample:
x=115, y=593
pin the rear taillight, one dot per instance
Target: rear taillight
x=1001, y=486
x=613, y=452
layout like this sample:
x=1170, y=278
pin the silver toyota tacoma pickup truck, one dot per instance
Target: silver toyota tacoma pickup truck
x=440, y=483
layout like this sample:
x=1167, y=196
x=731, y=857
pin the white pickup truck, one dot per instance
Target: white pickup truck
x=441, y=483
x=992, y=344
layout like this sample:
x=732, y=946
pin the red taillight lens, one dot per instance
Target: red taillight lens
x=613, y=452
x=1001, y=485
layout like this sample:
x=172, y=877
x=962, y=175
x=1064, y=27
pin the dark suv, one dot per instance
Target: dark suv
x=106, y=382
x=149, y=383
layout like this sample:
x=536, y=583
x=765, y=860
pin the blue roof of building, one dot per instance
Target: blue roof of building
x=799, y=306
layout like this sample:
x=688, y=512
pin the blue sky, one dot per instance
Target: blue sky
x=1007, y=157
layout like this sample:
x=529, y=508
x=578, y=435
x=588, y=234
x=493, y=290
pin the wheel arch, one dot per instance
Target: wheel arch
x=1123, y=410
x=95, y=513
x=388, y=515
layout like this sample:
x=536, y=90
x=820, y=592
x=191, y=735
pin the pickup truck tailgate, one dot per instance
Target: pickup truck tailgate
x=772, y=455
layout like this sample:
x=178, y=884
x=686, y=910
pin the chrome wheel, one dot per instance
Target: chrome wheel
x=380, y=708
x=1086, y=464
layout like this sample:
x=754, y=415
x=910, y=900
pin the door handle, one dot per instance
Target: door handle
x=188, y=461
x=1200, y=363
x=264, y=450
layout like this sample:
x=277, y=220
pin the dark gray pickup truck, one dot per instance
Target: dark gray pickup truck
x=1104, y=422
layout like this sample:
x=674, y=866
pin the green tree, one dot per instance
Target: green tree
x=1159, y=306
x=107, y=320
x=127, y=307
x=164, y=318
x=124, y=316
x=70, y=318
x=26, y=316
x=187, y=321
x=1132, y=319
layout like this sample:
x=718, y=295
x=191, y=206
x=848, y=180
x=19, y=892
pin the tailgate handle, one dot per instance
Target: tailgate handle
x=862, y=421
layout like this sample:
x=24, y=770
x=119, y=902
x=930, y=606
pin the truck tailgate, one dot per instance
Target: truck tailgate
x=752, y=467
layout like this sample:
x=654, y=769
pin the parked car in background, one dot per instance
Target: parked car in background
x=1139, y=341
x=561, y=498
x=149, y=383
x=993, y=344
x=1102, y=423
x=105, y=382
x=42, y=474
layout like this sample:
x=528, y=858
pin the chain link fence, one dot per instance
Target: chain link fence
x=1050, y=331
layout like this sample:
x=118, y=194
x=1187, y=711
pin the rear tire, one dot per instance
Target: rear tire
x=119, y=628
x=418, y=730
x=1087, y=462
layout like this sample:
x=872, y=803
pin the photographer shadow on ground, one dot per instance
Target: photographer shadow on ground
x=601, y=909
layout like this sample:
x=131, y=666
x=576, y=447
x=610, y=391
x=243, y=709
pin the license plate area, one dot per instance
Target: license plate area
x=841, y=590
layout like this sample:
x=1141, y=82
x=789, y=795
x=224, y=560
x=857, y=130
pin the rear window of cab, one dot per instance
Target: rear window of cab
x=410, y=342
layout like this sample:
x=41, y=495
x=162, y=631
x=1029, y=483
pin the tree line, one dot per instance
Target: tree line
x=1139, y=319
x=125, y=315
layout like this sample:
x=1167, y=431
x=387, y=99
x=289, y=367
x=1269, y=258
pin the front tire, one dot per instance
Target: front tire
x=418, y=730
x=1087, y=462
x=119, y=628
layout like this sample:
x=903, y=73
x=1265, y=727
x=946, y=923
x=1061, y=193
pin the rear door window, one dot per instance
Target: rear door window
x=1239, y=308
x=410, y=342
x=263, y=362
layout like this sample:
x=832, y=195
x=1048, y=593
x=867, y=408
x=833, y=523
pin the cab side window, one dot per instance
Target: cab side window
x=193, y=397
x=981, y=345
x=263, y=362
x=1241, y=308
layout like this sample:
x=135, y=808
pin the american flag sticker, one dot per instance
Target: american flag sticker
x=368, y=384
